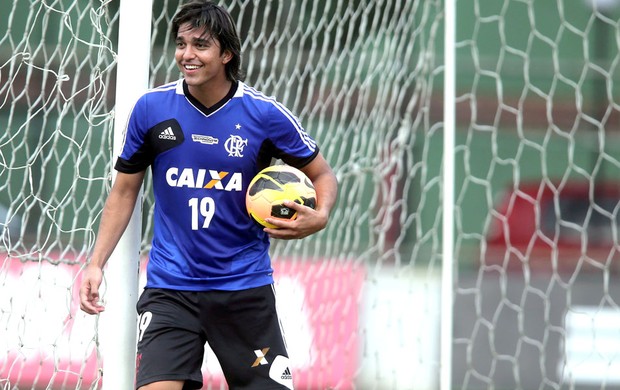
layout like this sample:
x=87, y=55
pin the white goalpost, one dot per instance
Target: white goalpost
x=447, y=204
x=475, y=241
x=119, y=322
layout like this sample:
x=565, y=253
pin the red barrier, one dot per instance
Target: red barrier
x=49, y=343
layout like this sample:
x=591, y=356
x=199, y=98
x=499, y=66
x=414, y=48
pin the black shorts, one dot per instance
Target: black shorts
x=241, y=327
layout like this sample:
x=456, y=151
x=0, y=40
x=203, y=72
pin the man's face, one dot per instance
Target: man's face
x=199, y=56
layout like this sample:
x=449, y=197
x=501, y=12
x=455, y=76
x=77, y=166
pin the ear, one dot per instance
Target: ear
x=226, y=56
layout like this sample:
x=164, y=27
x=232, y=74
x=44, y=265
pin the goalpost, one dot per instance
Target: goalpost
x=475, y=240
x=447, y=204
x=120, y=290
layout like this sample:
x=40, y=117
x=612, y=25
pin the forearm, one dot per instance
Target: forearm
x=325, y=185
x=116, y=214
x=326, y=188
x=114, y=221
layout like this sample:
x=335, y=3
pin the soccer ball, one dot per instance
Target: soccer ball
x=273, y=185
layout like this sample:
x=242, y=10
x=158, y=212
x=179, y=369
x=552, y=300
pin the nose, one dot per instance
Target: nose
x=188, y=52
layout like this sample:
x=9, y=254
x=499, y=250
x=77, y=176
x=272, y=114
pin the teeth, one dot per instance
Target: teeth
x=191, y=67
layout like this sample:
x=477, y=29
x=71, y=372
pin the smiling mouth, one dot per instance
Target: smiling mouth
x=191, y=67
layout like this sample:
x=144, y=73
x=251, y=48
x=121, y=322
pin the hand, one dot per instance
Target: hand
x=308, y=221
x=89, y=290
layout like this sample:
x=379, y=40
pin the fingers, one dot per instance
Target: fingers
x=89, y=299
x=281, y=223
x=291, y=229
x=282, y=233
x=294, y=205
x=89, y=292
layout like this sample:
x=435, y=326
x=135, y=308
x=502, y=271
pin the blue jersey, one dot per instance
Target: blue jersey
x=202, y=161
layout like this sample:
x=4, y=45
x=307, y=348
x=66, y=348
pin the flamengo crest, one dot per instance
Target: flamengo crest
x=234, y=146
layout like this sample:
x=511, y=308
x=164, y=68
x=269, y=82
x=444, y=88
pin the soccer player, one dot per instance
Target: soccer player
x=209, y=275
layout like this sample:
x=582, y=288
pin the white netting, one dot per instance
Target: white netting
x=56, y=68
x=537, y=197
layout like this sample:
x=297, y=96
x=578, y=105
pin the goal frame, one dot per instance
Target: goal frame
x=447, y=245
x=122, y=269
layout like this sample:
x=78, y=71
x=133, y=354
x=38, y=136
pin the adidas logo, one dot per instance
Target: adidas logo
x=286, y=375
x=167, y=134
x=280, y=372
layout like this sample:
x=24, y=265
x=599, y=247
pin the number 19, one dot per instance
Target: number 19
x=206, y=209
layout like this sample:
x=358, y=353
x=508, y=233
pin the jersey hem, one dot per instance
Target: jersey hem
x=241, y=283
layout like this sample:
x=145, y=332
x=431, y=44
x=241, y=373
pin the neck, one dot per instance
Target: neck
x=210, y=94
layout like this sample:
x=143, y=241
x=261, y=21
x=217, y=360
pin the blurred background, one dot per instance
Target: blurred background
x=536, y=187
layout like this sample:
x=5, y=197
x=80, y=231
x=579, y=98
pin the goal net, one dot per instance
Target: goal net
x=536, y=196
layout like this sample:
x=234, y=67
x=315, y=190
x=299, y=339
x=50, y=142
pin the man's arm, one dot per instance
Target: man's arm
x=114, y=220
x=310, y=221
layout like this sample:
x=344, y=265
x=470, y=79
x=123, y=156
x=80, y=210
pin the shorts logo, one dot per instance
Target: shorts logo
x=260, y=356
x=280, y=371
x=167, y=134
x=286, y=375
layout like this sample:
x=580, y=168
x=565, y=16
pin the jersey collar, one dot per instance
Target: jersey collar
x=210, y=110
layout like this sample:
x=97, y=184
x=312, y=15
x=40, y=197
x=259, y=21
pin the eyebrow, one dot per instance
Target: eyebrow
x=203, y=40
x=206, y=38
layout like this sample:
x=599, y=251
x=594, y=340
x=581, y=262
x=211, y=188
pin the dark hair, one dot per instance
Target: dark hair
x=217, y=23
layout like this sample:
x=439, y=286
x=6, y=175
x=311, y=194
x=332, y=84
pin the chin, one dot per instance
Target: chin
x=193, y=81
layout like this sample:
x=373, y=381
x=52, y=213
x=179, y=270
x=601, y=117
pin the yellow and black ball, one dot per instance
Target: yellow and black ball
x=272, y=186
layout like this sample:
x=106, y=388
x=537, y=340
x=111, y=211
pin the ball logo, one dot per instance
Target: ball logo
x=234, y=146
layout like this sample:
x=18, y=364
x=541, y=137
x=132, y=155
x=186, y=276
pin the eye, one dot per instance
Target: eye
x=202, y=44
